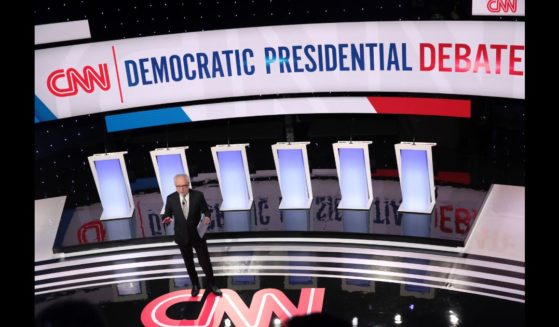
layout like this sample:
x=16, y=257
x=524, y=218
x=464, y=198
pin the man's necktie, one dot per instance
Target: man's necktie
x=185, y=208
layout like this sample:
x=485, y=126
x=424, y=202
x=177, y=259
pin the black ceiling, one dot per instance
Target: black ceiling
x=117, y=19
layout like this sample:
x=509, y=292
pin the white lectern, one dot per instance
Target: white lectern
x=354, y=174
x=111, y=178
x=231, y=166
x=292, y=166
x=415, y=169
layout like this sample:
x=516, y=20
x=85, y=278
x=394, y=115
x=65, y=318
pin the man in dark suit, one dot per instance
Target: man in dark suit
x=186, y=207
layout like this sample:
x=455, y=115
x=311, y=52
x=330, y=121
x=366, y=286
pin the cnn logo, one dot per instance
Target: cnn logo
x=496, y=6
x=67, y=82
x=264, y=304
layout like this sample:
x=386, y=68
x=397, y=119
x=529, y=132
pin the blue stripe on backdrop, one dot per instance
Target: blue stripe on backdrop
x=42, y=112
x=148, y=118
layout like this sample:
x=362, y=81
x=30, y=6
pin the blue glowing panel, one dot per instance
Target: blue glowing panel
x=233, y=180
x=243, y=280
x=118, y=229
x=353, y=178
x=358, y=282
x=169, y=165
x=237, y=221
x=182, y=282
x=301, y=280
x=417, y=288
x=356, y=221
x=113, y=189
x=295, y=220
x=415, y=183
x=293, y=179
x=416, y=224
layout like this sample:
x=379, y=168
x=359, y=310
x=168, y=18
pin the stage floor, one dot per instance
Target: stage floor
x=350, y=278
x=269, y=275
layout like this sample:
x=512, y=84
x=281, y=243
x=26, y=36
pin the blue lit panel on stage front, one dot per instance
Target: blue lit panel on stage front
x=295, y=220
x=113, y=189
x=293, y=179
x=129, y=288
x=243, y=280
x=237, y=221
x=356, y=221
x=415, y=182
x=182, y=282
x=358, y=282
x=233, y=180
x=301, y=280
x=416, y=224
x=118, y=229
x=169, y=165
x=353, y=178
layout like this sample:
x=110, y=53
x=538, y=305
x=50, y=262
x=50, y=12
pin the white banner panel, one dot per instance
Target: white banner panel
x=499, y=7
x=471, y=58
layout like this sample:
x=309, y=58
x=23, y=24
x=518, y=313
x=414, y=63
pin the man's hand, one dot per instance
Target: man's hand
x=207, y=220
x=167, y=220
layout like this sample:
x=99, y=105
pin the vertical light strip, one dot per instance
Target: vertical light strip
x=415, y=180
x=293, y=174
x=293, y=179
x=234, y=180
x=415, y=169
x=111, y=179
x=354, y=174
x=169, y=166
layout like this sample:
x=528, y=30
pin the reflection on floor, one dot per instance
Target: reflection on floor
x=455, y=211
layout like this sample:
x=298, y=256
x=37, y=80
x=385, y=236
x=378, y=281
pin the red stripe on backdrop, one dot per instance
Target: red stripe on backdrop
x=455, y=177
x=385, y=173
x=422, y=106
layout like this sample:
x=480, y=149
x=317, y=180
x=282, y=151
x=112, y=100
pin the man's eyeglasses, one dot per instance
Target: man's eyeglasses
x=177, y=186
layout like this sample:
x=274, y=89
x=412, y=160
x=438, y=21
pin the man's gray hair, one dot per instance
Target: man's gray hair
x=181, y=175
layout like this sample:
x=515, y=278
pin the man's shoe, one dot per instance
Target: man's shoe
x=216, y=290
x=195, y=290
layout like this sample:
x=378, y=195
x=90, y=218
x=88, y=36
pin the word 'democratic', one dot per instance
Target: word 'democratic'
x=258, y=314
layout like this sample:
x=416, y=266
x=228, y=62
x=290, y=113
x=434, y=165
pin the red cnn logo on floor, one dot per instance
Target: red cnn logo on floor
x=63, y=83
x=259, y=314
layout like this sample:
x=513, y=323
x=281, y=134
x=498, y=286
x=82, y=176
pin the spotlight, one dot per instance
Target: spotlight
x=453, y=317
